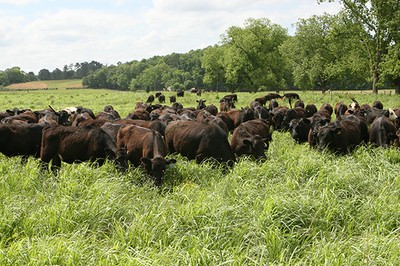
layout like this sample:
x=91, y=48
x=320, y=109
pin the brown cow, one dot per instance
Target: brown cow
x=251, y=138
x=199, y=141
x=140, y=145
x=75, y=144
x=343, y=135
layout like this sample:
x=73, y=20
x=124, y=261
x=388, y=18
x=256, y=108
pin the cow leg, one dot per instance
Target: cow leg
x=56, y=164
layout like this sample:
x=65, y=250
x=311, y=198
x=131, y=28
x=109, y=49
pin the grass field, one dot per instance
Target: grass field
x=297, y=207
x=47, y=84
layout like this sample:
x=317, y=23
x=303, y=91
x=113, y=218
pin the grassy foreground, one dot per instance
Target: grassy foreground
x=299, y=206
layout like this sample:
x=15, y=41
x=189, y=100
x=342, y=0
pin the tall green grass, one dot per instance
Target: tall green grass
x=298, y=206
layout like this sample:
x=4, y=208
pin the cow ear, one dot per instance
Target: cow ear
x=197, y=100
x=204, y=101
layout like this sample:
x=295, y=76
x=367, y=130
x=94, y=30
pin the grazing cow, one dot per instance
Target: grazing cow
x=24, y=117
x=180, y=93
x=75, y=144
x=278, y=115
x=271, y=96
x=110, y=110
x=240, y=116
x=299, y=129
x=251, y=138
x=150, y=99
x=156, y=125
x=200, y=104
x=199, y=141
x=172, y=99
x=261, y=112
x=381, y=130
x=140, y=145
x=272, y=104
x=226, y=104
x=299, y=103
x=290, y=97
x=340, y=109
x=319, y=119
x=161, y=98
x=176, y=106
x=342, y=136
x=22, y=140
x=310, y=110
x=47, y=117
x=327, y=107
x=295, y=113
x=232, y=97
x=139, y=113
x=377, y=104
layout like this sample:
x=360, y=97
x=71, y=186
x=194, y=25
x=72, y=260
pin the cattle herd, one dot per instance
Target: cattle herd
x=152, y=131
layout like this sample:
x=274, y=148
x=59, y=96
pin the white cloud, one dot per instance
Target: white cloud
x=124, y=30
x=18, y=2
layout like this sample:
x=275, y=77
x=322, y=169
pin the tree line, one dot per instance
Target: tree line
x=358, y=48
x=72, y=71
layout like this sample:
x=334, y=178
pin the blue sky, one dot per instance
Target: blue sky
x=37, y=34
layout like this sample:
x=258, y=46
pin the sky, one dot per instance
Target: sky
x=48, y=34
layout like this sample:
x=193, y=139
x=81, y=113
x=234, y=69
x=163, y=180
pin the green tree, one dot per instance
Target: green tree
x=44, y=74
x=252, y=59
x=57, y=74
x=152, y=77
x=213, y=64
x=14, y=75
x=324, y=54
x=379, y=29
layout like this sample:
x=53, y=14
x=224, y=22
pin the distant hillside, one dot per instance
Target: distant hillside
x=47, y=84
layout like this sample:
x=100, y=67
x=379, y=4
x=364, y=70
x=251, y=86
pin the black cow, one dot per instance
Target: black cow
x=299, y=129
x=310, y=110
x=340, y=109
x=381, y=131
x=21, y=140
x=150, y=99
x=199, y=141
x=75, y=144
x=200, y=104
x=342, y=136
x=161, y=98
x=294, y=113
x=180, y=93
x=172, y=99
x=144, y=146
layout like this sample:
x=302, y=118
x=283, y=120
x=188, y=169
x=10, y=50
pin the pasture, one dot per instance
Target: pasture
x=299, y=206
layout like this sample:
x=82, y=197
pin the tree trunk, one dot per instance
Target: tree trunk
x=375, y=79
x=397, y=89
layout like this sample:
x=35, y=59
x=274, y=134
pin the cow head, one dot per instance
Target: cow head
x=299, y=129
x=326, y=136
x=155, y=168
x=391, y=115
x=201, y=104
x=254, y=146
